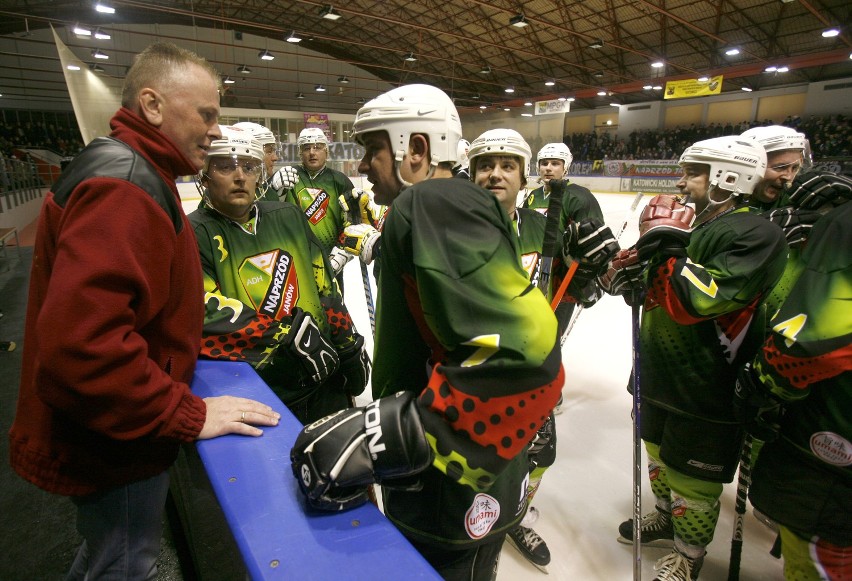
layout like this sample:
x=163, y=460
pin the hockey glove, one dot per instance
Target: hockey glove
x=338, y=457
x=362, y=240
x=284, y=179
x=338, y=259
x=757, y=410
x=625, y=275
x=592, y=244
x=814, y=189
x=354, y=372
x=664, y=228
x=368, y=210
x=795, y=222
x=306, y=344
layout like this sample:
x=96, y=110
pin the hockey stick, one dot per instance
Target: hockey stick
x=551, y=233
x=743, y=483
x=637, y=444
x=355, y=218
x=564, y=286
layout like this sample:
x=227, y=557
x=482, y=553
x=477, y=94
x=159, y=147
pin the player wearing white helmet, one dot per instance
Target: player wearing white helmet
x=467, y=360
x=268, y=281
x=318, y=190
x=705, y=278
x=460, y=170
x=785, y=151
x=270, y=154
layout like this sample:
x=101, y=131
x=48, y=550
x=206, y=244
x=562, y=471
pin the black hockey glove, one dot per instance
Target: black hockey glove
x=338, y=457
x=757, y=410
x=354, y=372
x=795, y=222
x=306, y=344
x=812, y=190
x=592, y=244
x=625, y=275
x=664, y=228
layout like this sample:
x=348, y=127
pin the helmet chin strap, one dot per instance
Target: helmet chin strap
x=711, y=206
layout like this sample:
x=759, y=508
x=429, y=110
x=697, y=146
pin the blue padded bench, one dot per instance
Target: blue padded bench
x=277, y=537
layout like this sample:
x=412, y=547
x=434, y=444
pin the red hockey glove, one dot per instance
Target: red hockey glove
x=664, y=228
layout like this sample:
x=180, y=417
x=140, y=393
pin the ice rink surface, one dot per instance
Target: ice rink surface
x=587, y=493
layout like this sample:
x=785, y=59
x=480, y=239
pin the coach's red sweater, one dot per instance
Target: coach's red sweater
x=112, y=332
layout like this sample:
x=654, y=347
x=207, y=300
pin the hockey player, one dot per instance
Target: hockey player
x=797, y=393
x=703, y=285
x=499, y=162
x=269, y=297
x=270, y=156
x=785, y=148
x=467, y=362
x=578, y=204
x=317, y=189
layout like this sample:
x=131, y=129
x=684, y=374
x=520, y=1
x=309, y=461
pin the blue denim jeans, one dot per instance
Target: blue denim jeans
x=121, y=530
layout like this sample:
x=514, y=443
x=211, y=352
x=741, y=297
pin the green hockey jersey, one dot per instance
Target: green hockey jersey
x=254, y=276
x=318, y=198
x=459, y=323
x=699, y=308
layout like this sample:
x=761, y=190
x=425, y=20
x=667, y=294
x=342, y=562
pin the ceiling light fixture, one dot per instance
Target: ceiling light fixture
x=647, y=87
x=101, y=35
x=82, y=30
x=328, y=13
x=300, y=95
x=100, y=55
x=409, y=56
x=361, y=101
x=344, y=79
x=104, y=8
x=509, y=89
x=526, y=114
x=518, y=21
x=483, y=106
x=703, y=79
x=747, y=89
x=243, y=70
x=320, y=88
x=830, y=32
x=657, y=87
x=73, y=68
x=293, y=37
x=658, y=64
x=549, y=83
x=615, y=104
x=265, y=55
x=507, y=109
x=597, y=43
x=732, y=51
x=570, y=99
x=528, y=104
x=228, y=80
x=96, y=68
x=601, y=93
x=486, y=70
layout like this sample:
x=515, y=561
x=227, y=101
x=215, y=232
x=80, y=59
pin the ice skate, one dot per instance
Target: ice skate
x=656, y=529
x=531, y=546
x=678, y=567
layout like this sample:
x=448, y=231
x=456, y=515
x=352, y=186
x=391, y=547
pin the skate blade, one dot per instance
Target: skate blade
x=658, y=544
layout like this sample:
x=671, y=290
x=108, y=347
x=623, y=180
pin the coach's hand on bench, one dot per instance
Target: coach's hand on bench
x=236, y=415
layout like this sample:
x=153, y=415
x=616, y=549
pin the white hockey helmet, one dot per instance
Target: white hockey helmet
x=556, y=151
x=310, y=135
x=462, y=157
x=737, y=164
x=777, y=138
x=261, y=133
x=500, y=142
x=235, y=142
x=413, y=109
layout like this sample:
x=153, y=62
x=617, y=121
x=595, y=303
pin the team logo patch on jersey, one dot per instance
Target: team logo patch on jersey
x=318, y=208
x=481, y=516
x=831, y=448
x=529, y=261
x=271, y=283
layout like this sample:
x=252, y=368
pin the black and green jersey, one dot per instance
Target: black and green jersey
x=459, y=323
x=699, y=308
x=803, y=480
x=254, y=276
x=318, y=197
